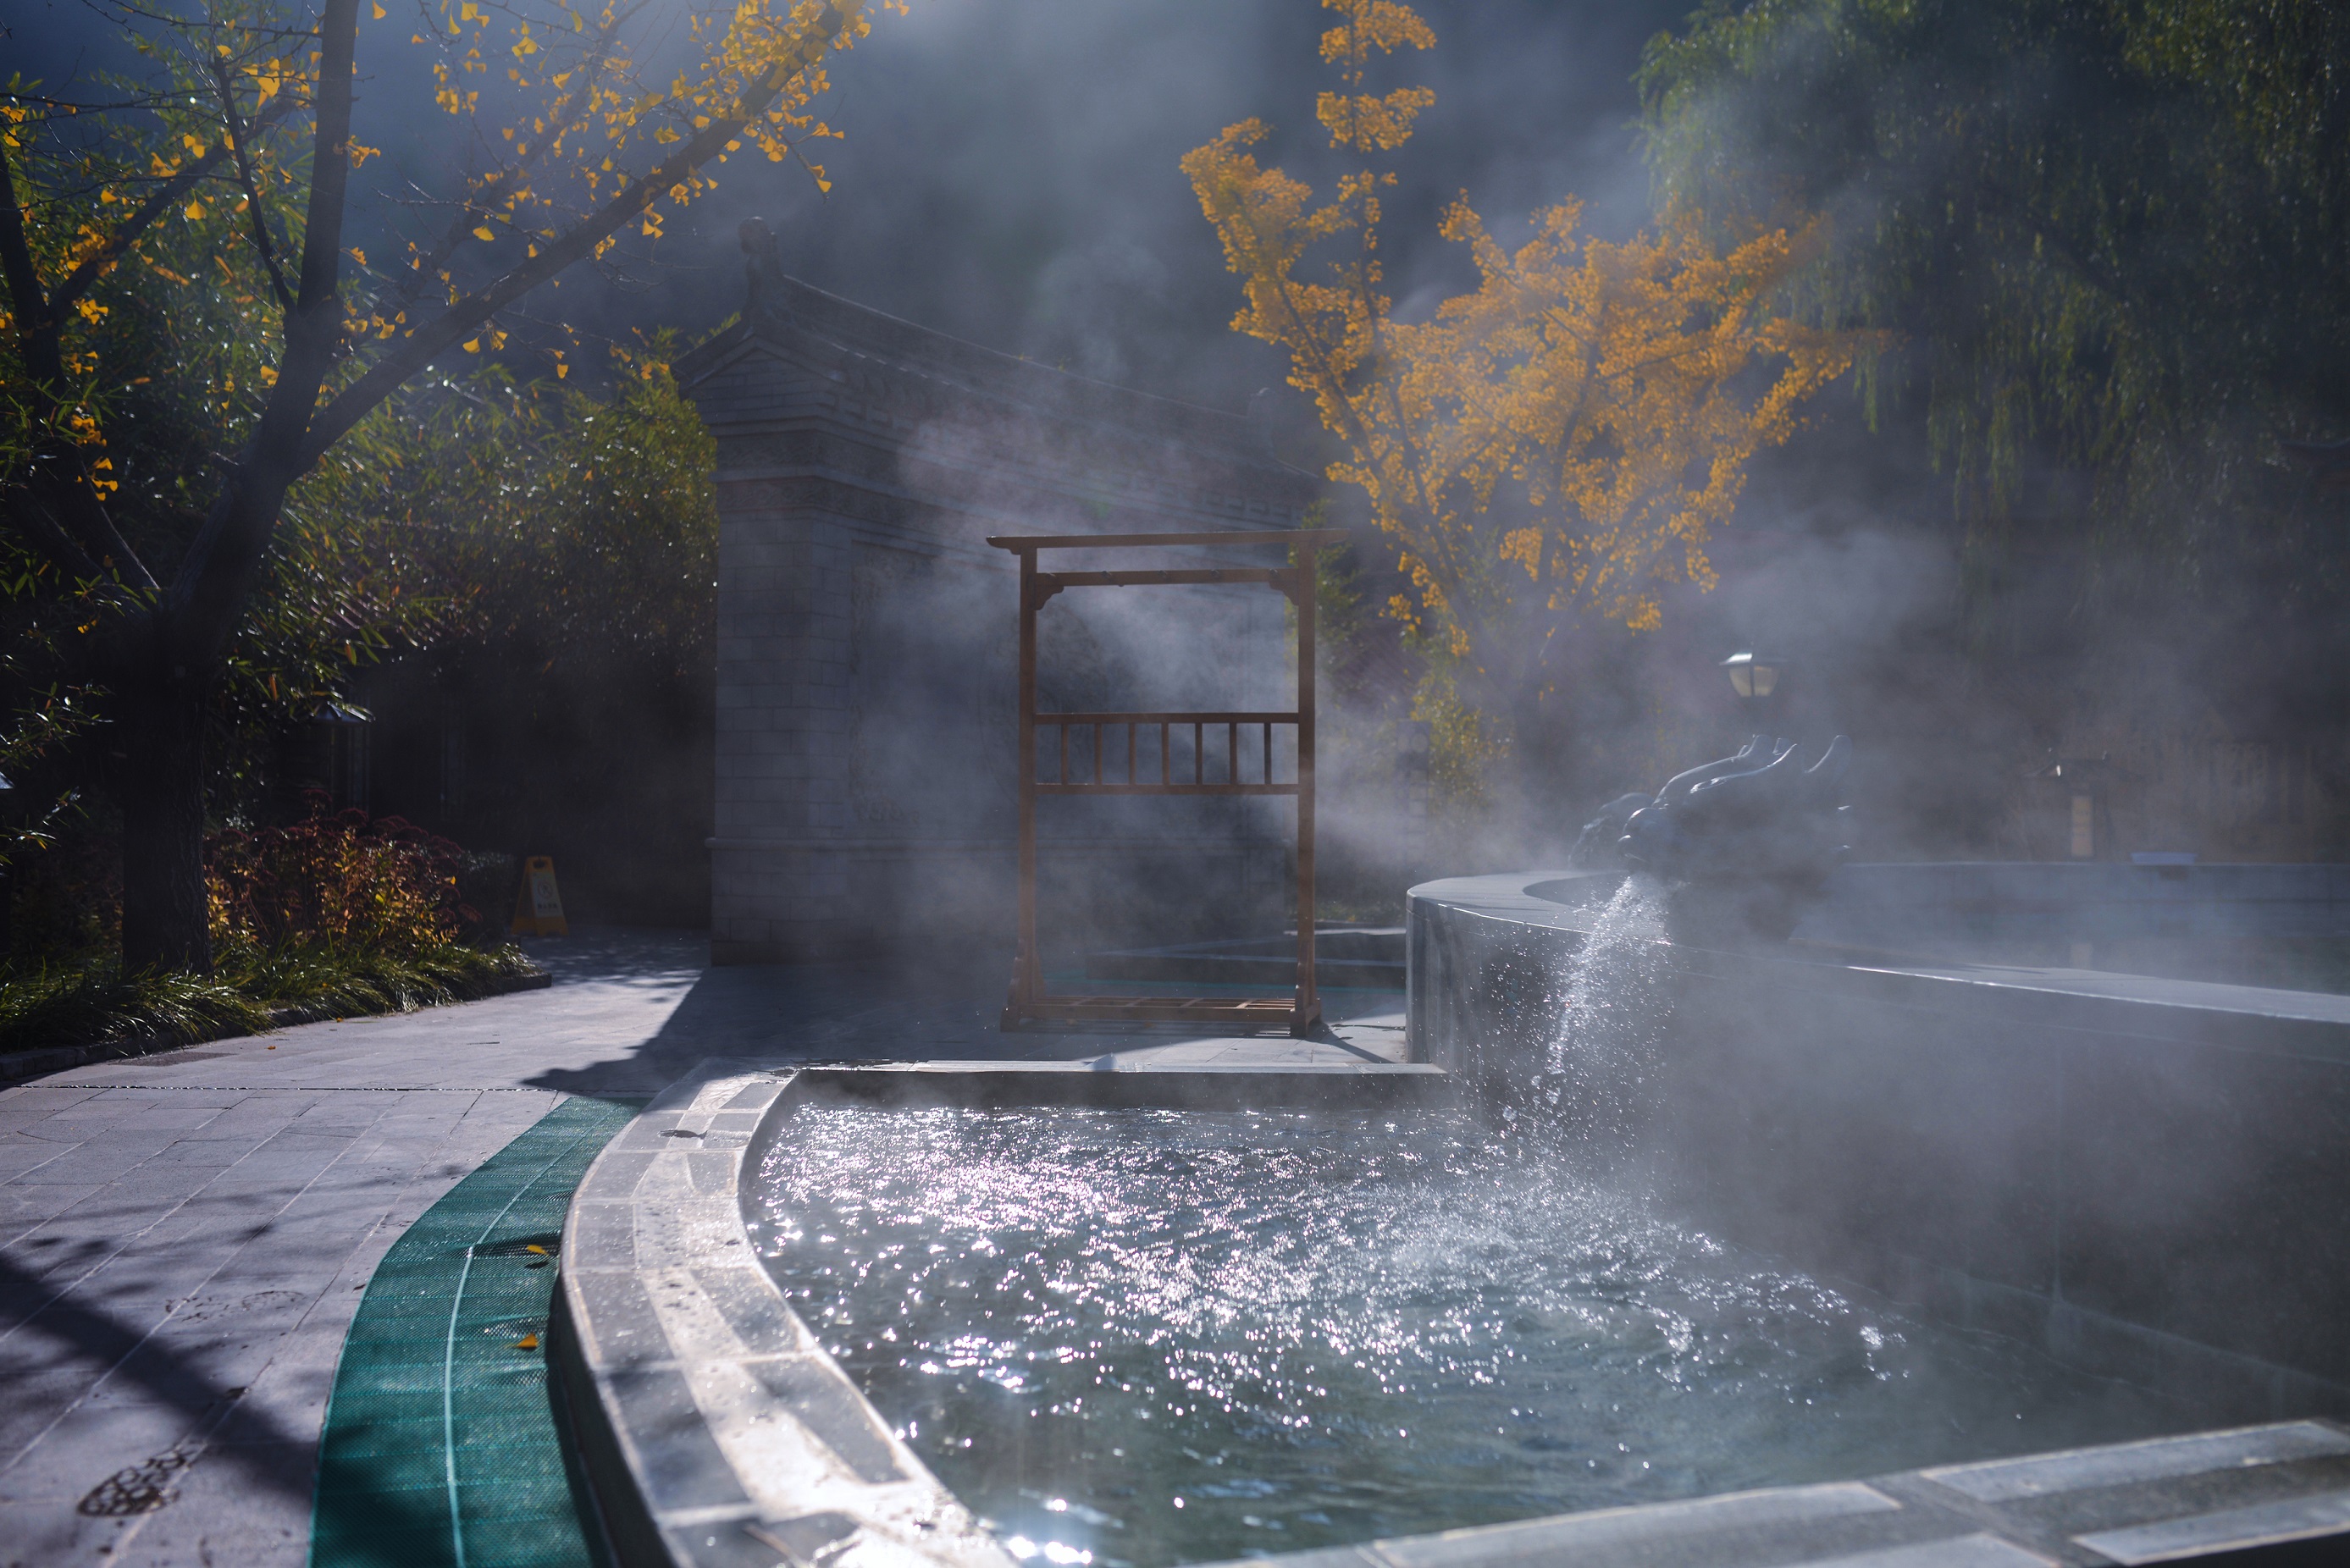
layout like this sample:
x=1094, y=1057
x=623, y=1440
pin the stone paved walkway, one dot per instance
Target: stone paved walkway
x=185, y=1238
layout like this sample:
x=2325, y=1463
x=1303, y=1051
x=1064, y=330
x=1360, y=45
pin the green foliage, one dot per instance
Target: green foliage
x=2111, y=234
x=175, y=360
x=251, y=990
x=1466, y=749
x=584, y=526
x=335, y=916
x=470, y=511
x=81, y=1004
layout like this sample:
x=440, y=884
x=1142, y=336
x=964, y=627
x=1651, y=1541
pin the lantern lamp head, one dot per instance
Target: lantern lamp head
x=1753, y=675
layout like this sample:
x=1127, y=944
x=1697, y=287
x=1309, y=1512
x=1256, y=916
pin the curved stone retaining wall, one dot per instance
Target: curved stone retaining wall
x=2147, y=1177
x=714, y=1432
x=711, y=1427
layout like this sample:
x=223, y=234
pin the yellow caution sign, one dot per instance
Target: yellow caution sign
x=538, y=906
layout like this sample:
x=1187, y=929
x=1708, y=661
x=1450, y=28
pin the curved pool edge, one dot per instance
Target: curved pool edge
x=712, y=1427
x=2139, y=1176
x=714, y=1431
x=1470, y=920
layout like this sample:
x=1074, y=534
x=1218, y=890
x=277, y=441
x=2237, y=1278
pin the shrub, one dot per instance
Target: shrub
x=339, y=915
x=252, y=991
x=341, y=880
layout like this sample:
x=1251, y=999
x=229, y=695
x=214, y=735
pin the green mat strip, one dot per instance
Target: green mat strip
x=439, y=1446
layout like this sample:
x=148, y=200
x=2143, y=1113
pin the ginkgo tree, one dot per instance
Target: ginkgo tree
x=209, y=199
x=1558, y=444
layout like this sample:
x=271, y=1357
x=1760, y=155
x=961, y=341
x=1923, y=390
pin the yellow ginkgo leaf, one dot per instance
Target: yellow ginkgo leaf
x=483, y=233
x=1492, y=438
x=380, y=12
x=528, y=1342
x=534, y=1247
x=472, y=345
x=196, y=210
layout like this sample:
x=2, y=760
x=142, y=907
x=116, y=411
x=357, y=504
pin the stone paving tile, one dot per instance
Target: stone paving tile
x=249, y=1511
x=50, y=1097
x=37, y=1394
x=21, y=1154
x=207, y=1220
x=287, y=1400
x=74, y=1453
x=24, y=1210
x=41, y=1534
x=17, y=1124
x=109, y=1157
x=156, y=1116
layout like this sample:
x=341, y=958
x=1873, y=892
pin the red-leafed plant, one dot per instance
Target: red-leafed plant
x=342, y=880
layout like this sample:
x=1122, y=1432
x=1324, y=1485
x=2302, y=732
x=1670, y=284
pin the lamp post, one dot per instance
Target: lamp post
x=7, y=880
x=1754, y=676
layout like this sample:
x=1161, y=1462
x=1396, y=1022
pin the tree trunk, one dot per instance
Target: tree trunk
x=162, y=799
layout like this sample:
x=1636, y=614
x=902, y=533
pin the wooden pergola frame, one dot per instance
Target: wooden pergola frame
x=1029, y=1003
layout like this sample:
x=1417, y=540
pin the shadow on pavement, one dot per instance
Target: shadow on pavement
x=222, y=1429
x=871, y=1011
x=933, y=1009
x=619, y=953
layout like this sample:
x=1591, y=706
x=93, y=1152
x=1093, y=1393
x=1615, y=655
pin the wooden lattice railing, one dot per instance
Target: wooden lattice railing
x=1152, y=744
x=1101, y=764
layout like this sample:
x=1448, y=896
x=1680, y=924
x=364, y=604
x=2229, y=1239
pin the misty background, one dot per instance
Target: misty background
x=1008, y=173
x=1009, y=176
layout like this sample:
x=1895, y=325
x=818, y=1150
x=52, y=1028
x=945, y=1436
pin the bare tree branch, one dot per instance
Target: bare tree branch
x=209, y=591
x=236, y=142
x=160, y=200
x=474, y=208
x=428, y=342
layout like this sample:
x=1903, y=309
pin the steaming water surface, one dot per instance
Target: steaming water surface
x=1149, y=1337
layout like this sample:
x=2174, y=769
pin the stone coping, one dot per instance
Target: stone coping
x=2243, y=1017
x=717, y=1432
x=714, y=1428
x=2252, y=1494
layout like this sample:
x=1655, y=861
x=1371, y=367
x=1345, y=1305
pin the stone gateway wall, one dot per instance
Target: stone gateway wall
x=866, y=636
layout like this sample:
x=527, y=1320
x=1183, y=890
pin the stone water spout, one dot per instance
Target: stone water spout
x=1744, y=839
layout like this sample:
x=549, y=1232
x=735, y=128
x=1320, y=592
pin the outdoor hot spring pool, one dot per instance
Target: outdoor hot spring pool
x=1150, y=1337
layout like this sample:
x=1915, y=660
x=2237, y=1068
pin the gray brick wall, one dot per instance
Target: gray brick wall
x=827, y=445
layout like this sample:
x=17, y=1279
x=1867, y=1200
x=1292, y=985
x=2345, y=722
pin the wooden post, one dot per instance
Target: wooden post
x=1027, y=965
x=1027, y=1001
x=1308, y=1015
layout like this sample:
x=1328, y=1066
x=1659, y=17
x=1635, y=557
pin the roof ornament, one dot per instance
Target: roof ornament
x=764, y=265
